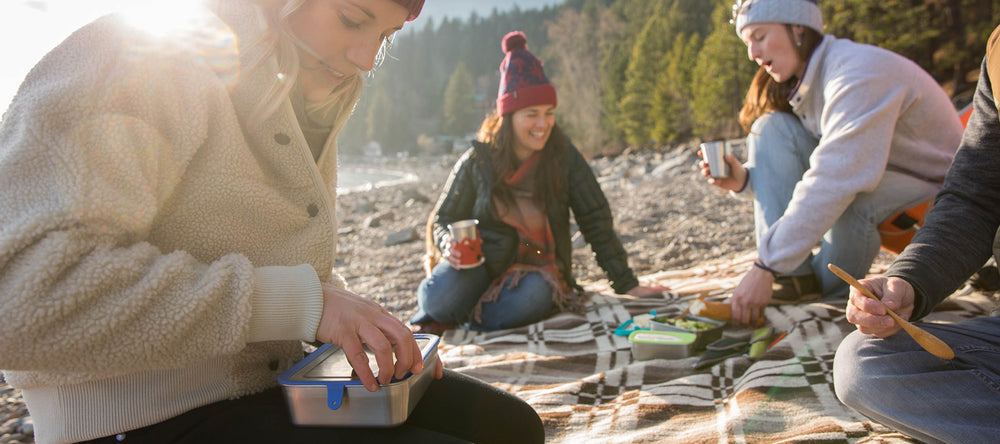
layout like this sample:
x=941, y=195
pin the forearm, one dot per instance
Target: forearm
x=596, y=222
x=958, y=234
x=457, y=199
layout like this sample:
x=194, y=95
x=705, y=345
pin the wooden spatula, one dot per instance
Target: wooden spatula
x=926, y=340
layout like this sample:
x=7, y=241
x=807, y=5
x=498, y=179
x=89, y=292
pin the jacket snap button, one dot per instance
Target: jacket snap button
x=273, y=365
x=313, y=210
x=282, y=139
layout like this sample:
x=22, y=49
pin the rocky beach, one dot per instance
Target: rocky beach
x=666, y=215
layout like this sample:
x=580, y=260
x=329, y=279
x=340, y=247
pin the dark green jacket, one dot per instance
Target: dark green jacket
x=466, y=195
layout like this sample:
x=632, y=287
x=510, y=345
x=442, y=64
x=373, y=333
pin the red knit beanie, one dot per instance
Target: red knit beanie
x=522, y=80
x=414, y=6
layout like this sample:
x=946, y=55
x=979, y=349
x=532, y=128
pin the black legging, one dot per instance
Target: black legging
x=454, y=409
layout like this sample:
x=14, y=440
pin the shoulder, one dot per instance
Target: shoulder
x=849, y=58
x=471, y=160
x=130, y=44
x=573, y=157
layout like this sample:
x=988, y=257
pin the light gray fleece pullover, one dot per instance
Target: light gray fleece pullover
x=871, y=110
x=156, y=254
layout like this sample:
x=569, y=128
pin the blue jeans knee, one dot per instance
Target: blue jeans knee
x=530, y=301
x=449, y=295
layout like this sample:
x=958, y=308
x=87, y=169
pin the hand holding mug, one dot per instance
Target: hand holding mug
x=735, y=181
x=466, y=246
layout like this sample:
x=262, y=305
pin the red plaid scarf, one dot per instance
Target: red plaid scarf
x=536, y=252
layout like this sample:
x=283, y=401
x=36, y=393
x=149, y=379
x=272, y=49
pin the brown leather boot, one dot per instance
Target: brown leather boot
x=794, y=290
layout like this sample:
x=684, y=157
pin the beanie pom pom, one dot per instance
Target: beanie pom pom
x=513, y=40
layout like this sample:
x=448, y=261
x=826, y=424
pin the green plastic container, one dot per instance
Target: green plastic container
x=702, y=337
x=649, y=344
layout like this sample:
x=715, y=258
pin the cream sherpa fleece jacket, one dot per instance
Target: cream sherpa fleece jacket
x=156, y=255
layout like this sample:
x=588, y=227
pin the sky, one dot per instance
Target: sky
x=30, y=28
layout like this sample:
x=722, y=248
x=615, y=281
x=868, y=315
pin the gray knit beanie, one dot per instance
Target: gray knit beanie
x=792, y=12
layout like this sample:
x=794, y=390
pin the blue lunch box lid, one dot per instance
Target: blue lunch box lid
x=336, y=387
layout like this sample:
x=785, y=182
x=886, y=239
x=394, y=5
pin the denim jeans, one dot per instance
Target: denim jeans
x=450, y=295
x=779, y=148
x=897, y=383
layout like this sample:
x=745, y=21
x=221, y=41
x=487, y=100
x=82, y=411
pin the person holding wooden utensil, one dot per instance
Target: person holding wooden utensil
x=885, y=374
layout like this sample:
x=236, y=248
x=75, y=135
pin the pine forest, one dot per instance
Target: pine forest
x=632, y=73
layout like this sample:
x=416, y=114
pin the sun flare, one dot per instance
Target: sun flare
x=163, y=18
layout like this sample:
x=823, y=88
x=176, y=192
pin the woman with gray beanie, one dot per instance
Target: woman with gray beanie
x=842, y=137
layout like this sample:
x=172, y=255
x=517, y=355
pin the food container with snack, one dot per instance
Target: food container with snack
x=705, y=330
x=323, y=389
x=649, y=344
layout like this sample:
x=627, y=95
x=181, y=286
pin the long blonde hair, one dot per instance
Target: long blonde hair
x=278, y=41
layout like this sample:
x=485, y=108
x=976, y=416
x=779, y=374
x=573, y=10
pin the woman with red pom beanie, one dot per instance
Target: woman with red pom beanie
x=520, y=180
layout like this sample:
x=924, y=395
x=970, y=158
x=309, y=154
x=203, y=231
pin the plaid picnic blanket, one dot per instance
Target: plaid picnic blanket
x=585, y=384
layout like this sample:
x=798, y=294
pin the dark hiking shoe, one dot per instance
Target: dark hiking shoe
x=794, y=290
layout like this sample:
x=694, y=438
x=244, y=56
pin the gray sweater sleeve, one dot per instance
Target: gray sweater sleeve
x=957, y=237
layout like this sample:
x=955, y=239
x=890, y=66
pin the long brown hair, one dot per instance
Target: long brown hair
x=498, y=133
x=765, y=94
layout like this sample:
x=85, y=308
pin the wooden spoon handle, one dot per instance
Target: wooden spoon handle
x=929, y=342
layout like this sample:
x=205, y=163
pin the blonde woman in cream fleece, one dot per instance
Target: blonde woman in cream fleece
x=168, y=236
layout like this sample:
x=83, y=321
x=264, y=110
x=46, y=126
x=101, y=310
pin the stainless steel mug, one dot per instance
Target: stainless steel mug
x=714, y=154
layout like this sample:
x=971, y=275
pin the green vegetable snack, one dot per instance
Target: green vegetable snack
x=691, y=324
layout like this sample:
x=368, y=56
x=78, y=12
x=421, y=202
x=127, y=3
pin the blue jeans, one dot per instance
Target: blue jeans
x=897, y=383
x=449, y=296
x=779, y=148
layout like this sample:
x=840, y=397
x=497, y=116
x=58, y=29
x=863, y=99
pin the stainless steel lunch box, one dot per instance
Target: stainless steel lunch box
x=702, y=337
x=322, y=390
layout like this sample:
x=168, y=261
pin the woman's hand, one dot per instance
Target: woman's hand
x=751, y=297
x=642, y=291
x=352, y=322
x=454, y=255
x=438, y=369
x=870, y=316
x=737, y=174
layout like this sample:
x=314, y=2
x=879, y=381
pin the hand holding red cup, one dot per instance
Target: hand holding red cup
x=466, y=246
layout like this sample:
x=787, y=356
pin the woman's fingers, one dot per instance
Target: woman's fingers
x=354, y=323
x=358, y=359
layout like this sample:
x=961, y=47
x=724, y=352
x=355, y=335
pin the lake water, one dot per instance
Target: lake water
x=360, y=179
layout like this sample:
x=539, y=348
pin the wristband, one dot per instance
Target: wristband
x=745, y=182
x=758, y=264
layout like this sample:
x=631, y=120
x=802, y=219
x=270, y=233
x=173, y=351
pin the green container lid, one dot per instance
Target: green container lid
x=661, y=337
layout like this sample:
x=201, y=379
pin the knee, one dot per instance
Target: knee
x=448, y=293
x=849, y=372
x=527, y=302
x=777, y=126
x=778, y=142
x=536, y=289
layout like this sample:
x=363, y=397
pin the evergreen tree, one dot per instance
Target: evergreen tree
x=620, y=24
x=720, y=79
x=647, y=61
x=614, y=88
x=945, y=37
x=459, y=106
x=673, y=94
